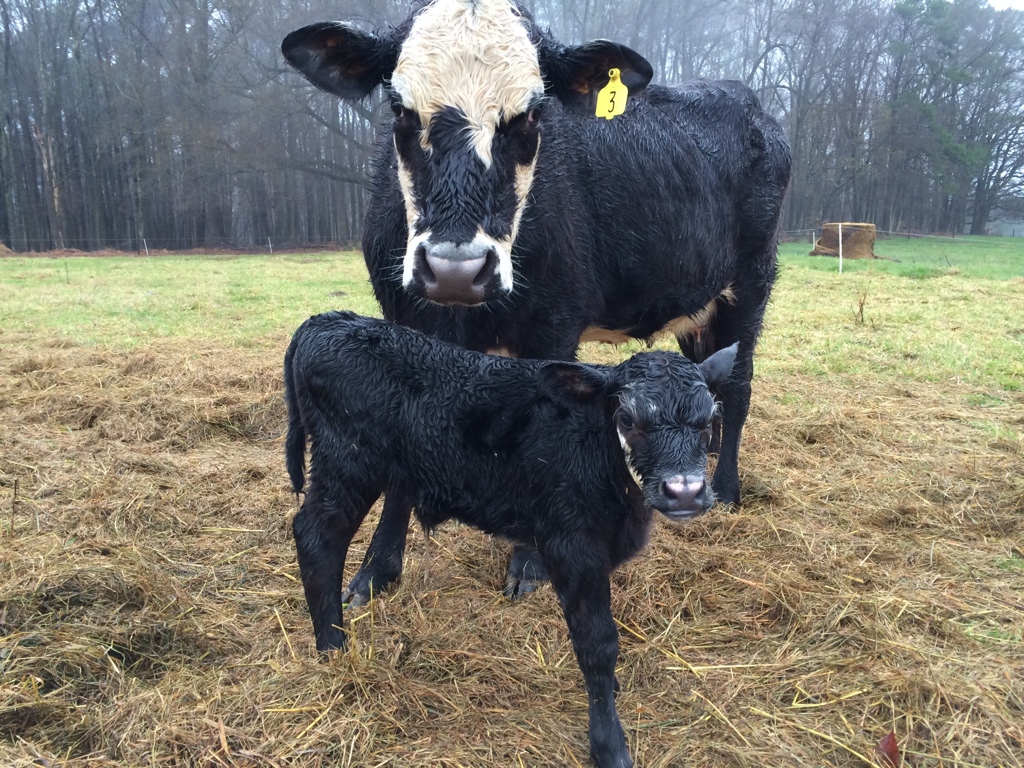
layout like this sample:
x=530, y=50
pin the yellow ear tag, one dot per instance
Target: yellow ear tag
x=611, y=100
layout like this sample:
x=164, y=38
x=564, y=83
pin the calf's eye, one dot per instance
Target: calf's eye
x=626, y=421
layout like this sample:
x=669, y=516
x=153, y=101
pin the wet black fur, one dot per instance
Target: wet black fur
x=630, y=223
x=523, y=449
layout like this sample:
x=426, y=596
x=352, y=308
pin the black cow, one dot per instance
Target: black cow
x=506, y=215
x=563, y=457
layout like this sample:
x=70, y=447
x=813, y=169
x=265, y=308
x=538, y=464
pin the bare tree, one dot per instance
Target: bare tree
x=175, y=124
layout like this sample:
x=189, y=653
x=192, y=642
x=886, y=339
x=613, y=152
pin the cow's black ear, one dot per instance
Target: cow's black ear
x=575, y=382
x=718, y=367
x=340, y=59
x=575, y=74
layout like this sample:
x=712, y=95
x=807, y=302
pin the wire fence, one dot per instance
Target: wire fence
x=271, y=245
x=799, y=235
x=146, y=246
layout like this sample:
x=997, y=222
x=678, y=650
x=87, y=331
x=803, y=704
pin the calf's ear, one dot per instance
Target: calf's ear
x=718, y=367
x=574, y=382
x=339, y=59
x=576, y=73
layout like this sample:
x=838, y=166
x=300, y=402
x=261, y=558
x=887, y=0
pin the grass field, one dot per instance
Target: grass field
x=150, y=613
x=998, y=258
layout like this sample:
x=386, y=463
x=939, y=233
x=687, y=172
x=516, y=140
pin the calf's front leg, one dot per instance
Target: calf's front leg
x=585, y=597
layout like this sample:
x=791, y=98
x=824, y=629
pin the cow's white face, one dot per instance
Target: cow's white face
x=466, y=93
x=474, y=55
x=467, y=81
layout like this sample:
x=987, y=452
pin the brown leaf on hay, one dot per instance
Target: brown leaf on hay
x=888, y=751
x=152, y=615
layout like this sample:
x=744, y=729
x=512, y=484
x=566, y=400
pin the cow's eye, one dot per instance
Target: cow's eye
x=523, y=124
x=406, y=120
x=626, y=421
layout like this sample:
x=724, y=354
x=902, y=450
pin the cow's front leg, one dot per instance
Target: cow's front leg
x=735, y=397
x=382, y=565
x=526, y=572
x=585, y=596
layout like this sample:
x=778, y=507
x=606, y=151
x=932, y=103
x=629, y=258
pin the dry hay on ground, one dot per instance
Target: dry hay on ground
x=858, y=241
x=151, y=613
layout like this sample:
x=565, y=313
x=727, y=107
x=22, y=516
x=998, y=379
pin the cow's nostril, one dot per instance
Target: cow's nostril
x=487, y=271
x=423, y=266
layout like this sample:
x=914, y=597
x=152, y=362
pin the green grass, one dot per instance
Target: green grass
x=995, y=258
x=950, y=328
x=995, y=635
x=132, y=300
x=1013, y=564
x=876, y=319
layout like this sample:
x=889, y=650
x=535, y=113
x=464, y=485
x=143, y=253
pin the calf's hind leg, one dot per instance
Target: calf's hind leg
x=382, y=565
x=323, y=530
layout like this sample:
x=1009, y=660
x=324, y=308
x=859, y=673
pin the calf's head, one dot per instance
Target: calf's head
x=468, y=82
x=661, y=408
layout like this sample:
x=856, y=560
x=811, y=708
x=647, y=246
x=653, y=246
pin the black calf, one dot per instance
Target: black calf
x=564, y=457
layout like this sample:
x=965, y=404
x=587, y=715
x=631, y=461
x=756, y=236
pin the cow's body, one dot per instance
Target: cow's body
x=563, y=457
x=511, y=218
x=632, y=224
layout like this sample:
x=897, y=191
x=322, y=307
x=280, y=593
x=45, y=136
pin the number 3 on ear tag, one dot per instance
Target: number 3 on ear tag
x=611, y=100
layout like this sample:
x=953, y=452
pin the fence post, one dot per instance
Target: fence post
x=270, y=245
x=840, y=248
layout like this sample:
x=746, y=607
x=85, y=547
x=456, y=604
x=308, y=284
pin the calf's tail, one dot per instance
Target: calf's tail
x=295, y=442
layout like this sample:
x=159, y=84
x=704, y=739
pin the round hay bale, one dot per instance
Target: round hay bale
x=858, y=240
x=5, y=251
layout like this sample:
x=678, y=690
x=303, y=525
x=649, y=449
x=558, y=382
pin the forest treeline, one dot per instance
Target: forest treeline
x=176, y=124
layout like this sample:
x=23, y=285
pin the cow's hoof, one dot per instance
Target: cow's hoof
x=366, y=585
x=516, y=588
x=726, y=506
x=526, y=573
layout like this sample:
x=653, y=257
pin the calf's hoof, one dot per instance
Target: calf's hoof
x=333, y=642
x=526, y=573
x=616, y=759
x=367, y=584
